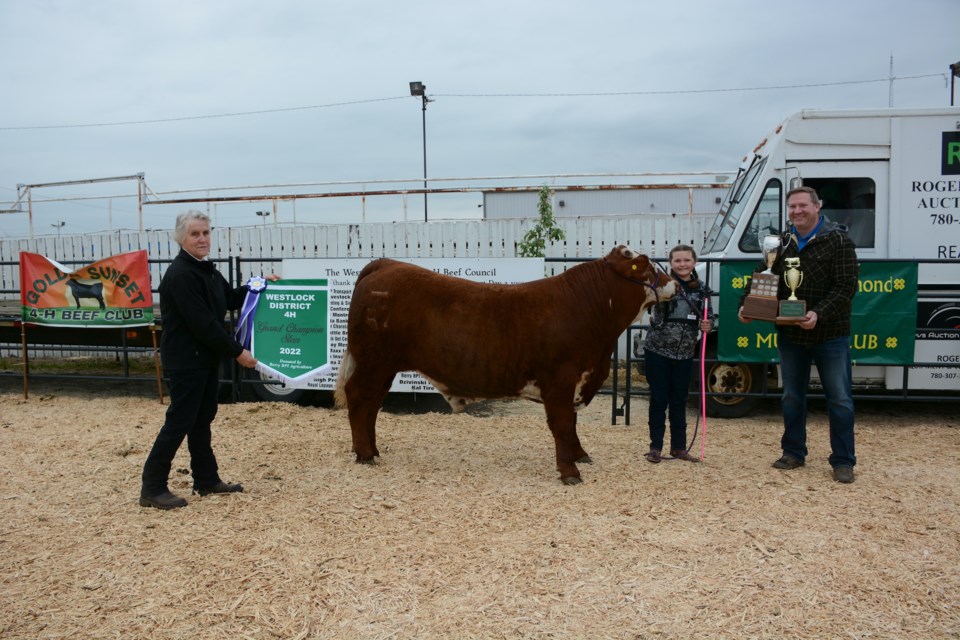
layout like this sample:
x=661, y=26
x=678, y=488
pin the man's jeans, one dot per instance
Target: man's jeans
x=833, y=364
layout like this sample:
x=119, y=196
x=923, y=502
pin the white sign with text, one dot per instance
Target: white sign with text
x=341, y=274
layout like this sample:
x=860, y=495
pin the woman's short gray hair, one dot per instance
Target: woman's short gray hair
x=184, y=218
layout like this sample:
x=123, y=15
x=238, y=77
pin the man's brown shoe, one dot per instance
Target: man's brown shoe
x=221, y=487
x=165, y=500
x=653, y=456
x=787, y=462
x=843, y=474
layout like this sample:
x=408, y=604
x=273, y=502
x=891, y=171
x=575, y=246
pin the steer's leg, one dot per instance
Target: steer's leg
x=562, y=420
x=365, y=391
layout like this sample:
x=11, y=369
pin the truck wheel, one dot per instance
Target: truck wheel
x=733, y=377
x=274, y=392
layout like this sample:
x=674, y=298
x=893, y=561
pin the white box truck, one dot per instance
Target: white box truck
x=893, y=177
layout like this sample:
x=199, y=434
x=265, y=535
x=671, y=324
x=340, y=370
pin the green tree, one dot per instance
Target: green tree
x=534, y=243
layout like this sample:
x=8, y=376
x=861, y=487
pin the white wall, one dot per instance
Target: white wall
x=590, y=237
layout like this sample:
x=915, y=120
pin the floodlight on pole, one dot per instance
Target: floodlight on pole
x=59, y=225
x=420, y=89
x=954, y=72
x=264, y=215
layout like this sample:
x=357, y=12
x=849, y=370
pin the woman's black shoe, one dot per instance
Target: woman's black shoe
x=221, y=487
x=165, y=500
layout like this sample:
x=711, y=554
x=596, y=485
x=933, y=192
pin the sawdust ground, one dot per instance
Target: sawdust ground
x=463, y=529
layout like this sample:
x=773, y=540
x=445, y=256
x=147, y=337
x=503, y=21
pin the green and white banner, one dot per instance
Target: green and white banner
x=883, y=324
x=289, y=331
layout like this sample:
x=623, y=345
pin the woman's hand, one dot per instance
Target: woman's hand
x=247, y=360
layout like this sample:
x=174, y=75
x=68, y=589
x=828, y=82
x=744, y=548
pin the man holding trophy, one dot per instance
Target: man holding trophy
x=817, y=265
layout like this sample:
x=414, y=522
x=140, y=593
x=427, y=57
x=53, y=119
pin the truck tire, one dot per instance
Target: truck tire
x=731, y=377
x=724, y=377
x=274, y=392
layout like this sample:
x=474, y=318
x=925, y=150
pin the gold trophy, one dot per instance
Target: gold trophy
x=792, y=310
x=761, y=302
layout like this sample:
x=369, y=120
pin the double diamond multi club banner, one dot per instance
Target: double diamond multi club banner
x=883, y=324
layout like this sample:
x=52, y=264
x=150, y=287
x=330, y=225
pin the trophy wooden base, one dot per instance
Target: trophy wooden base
x=760, y=308
x=792, y=312
x=773, y=310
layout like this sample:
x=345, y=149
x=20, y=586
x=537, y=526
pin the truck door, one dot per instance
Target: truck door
x=854, y=194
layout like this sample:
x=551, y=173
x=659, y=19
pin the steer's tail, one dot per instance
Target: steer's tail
x=347, y=365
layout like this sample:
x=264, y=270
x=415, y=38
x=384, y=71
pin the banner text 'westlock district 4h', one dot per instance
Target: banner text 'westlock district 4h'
x=113, y=292
x=285, y=326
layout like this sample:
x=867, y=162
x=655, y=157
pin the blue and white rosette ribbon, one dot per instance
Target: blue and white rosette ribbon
x=255, y=286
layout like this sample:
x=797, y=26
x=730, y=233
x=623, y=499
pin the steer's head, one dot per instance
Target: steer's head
x=641, y=270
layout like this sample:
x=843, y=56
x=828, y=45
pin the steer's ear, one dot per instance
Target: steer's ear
x=640, y=267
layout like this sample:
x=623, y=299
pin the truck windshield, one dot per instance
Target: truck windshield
x=732, y=209
x=765, y=219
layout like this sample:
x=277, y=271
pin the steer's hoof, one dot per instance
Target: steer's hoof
x=370, y=460
x=585, y=460
x=572, y=480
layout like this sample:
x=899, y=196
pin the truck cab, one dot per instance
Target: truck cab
x=892, y=177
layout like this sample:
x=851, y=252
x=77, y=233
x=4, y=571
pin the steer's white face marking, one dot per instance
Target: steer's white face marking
x=665, y=292
x=655, y=295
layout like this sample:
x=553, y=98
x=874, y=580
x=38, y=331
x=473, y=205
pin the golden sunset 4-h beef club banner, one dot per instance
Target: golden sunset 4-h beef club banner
x=113, y=292
x=883, y=323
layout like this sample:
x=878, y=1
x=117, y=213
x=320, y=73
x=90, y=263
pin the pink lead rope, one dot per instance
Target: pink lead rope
x=703, y=381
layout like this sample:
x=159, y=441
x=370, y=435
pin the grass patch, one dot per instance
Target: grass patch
x=81, y=365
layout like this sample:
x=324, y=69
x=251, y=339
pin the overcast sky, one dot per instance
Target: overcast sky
x=219, y=93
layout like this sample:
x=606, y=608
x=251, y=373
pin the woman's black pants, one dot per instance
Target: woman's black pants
x=193, y=406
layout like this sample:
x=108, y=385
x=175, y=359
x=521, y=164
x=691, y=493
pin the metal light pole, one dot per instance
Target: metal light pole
x=954, y=72
x=58, y=226
x=264, y=215
x=420, y=89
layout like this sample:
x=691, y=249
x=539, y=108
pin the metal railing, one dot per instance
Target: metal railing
x=621, y=406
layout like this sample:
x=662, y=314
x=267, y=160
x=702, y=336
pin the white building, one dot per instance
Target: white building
x=607, y=200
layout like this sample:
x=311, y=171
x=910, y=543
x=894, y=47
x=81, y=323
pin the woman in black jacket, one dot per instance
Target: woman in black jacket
x=194, y=298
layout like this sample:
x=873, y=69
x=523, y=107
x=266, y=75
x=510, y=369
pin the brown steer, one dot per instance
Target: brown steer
x=549, y=340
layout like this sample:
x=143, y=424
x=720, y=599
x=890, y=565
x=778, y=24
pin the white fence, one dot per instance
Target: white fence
x=653, y=234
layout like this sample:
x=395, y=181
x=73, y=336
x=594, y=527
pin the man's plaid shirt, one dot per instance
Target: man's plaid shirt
x=830, y=275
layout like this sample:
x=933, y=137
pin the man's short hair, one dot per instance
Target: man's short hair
x=813, y=194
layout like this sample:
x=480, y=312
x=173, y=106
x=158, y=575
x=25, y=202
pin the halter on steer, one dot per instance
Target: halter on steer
x=653, y=286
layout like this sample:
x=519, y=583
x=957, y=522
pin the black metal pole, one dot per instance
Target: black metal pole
x=954, y=72
x=424, y=157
